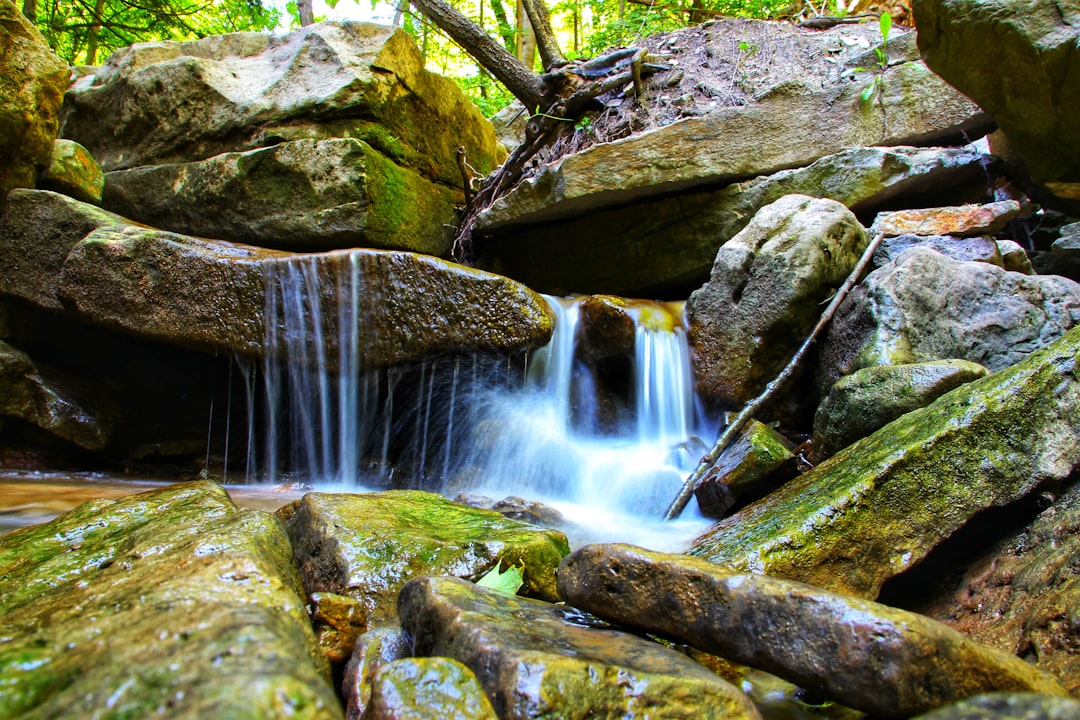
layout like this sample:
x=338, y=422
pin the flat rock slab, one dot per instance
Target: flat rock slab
x=427, y=687
x=968, y=249
x=880, y=505
x=304, y=195
x=535, y=659
x=366, y=546
x=61, y=254
x=961, y=221
x=171, y=603
x=863, y=654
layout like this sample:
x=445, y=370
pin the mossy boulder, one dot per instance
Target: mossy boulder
x=868, y=656
x=426, y=687
x=32, y=84
x=73, y=171
x=374, y=649
x=757, y=461
x=301, y=195
x=880, y=505
x=536, y=659
x=367, y=546
x=172, y=603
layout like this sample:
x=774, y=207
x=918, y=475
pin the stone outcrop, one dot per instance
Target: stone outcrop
x=870, y=398
x=67, y=407
x=868, y=656
x=303, y=195
x=926, y=306
x=1026, y=73
x=64, y=255
x=172, y=102
x=32, y=84
x=73, y=171
x=422, y=688
x=368, y=546
x=535, y=659
x=172, y=602
x=880, y=505
x=762, y=297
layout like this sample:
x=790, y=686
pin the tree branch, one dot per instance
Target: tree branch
x=550, y=54
x=747, y=413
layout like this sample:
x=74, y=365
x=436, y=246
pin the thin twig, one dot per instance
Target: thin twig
x=747, y=413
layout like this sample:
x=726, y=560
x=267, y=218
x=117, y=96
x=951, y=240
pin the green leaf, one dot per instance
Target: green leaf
x=885, y=23
x=868, y=92
x=507, y=583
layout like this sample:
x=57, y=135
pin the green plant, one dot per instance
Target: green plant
x=881, y=52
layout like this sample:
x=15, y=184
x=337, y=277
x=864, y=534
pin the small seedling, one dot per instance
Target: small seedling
x=881, y=52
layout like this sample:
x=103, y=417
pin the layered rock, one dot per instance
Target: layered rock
x=540, y=660
x=172, y=602
x=665, y=245
x=864, y=655
x=32, y=84
x=926, y=306
x=368, y=546
x=65, y=255
x=302, y=195
x=880, y=505
x=1026, y=73
x=762, y=297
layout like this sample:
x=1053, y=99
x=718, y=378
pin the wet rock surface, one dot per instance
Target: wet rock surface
x=1008, y=706
x=367, y=546
x=427, y=687
x=540, y=660
x=172, y=602
x=880, y=505
x=758, y=461
x=372, y=650
x=865, y=655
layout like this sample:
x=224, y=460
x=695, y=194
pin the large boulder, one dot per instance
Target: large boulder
x=302, y=195
x=666, y=244
x=764, y=294
x=536, y=659
x=1026, y=76
x=864, y=655
x=168, y=102
x=880, y=505
x=926, y=306
x=172, y=603
x=208, y=295
x=32, y=84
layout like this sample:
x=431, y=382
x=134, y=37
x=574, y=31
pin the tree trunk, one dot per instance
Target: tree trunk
x=29, y=9
x=506, y=30
x=550, y=54
x=307, y=12
x=526, y=38
x=399, y=12
x=92, y=33
x=518, y=79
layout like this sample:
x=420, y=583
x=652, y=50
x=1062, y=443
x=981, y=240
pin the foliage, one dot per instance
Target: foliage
x=507, y=582
x=881, y=53
x=85, y=31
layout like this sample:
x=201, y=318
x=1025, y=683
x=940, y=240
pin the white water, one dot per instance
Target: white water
x=480, y=425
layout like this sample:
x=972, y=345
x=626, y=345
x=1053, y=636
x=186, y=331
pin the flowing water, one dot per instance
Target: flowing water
x=547, y=427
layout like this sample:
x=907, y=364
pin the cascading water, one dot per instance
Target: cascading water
x=538, y=427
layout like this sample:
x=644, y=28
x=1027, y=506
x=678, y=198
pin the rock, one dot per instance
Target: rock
x=1051, y=263
x=366, y=546
x=747, y=469
x=971, y=249
x=373, y=649
x=540, y=660
x=73, y=171
x=865, y=655
x=606, y=328
x=870, y=398
x=925, y=306
x=961, y=221
x=880, y=505
x=770, y=117
x=1068, y=242
x=172, y=602
x=67, y=407
x=174, y=102
x=763, y=296
x=338, y=620
x=422, y=688
x=32, y=84
x=303, y=195
x=1014, y=258
x=657, y=245
x=1026, y=76
x=207, y=295
x=1008, y=706
x=1022, y=594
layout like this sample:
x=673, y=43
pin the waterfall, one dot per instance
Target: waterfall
x=548, y=426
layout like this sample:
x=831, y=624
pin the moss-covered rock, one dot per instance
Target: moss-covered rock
x=366, y=546
x=301, y=195
x=880, y=505
x=32, y=84
x=535, y=659
x=73, y=171
x=865, y=655
x=373, y=649
x=172, y=603
x=751, y=466
x=421, y=688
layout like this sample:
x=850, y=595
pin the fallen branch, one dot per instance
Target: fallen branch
x=747, y=413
